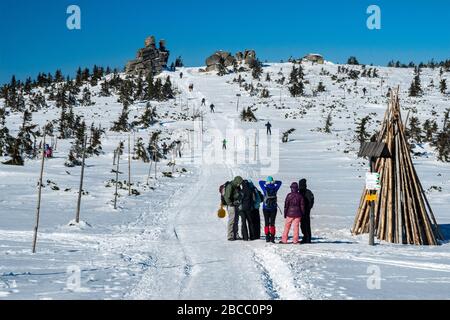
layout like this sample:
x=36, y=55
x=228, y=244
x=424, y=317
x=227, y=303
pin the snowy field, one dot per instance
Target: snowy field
x=168, y=243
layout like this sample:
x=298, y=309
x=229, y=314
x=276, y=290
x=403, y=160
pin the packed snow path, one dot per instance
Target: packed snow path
x=209, y=266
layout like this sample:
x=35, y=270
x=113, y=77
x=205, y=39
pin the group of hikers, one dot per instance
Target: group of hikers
x=243, y=201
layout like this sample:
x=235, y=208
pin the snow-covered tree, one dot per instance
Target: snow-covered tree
x=257, y=69
x=95, y=141
x=328, y=124
x=153, y=148
x=352, y=61
x=149, y=116
x=122, y=123
x=86, y=100
x=5, y=138
x=321, y=87
x=361, y=130
x=140, y=153
x=415, y=89
x=430, y=129
x=167, y=91
x=414, y=130
x=443, y=86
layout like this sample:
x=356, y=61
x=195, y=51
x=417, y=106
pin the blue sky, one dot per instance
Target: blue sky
x=34, y=36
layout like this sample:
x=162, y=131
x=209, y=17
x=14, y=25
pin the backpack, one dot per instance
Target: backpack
x=270, y=199
x=257, y=198
x=222, y=193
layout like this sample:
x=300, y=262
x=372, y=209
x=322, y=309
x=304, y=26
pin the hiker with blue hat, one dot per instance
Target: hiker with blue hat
x=270, y=188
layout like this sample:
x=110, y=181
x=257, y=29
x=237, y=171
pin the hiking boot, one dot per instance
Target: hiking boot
x=272, y=238
x=267, y=238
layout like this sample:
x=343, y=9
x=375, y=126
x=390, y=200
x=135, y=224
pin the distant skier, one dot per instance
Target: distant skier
x=233, y=199
x=204, y=102
x=212, y=107
x=270, y=189
x=191, y=87
x=269, y=128
x=308, y=196
x=224, y=144
x=181, y=75
x=294, y=208
x=364, y=91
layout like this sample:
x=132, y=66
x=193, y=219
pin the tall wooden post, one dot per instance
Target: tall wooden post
x=202, y=123
x=256, y=146
x=149, y=170
x=117, y=177
x=156, y=162
x=237, y=104
x=281, y=92
x=38, y=209
x=80, y=190
x=129, y=165
x=134, y=143
x=372, y=209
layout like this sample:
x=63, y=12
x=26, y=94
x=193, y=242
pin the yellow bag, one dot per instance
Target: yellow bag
x=221, y=213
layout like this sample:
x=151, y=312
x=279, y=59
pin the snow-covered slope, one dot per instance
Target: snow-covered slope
x=168, y=242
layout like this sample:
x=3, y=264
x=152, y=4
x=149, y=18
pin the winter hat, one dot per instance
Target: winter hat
x=269, y=179
x=238, y=180
x=294, y=187
x=302, y=184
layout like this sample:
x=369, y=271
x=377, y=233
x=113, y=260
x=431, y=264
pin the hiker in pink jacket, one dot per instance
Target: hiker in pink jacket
x=294, y=207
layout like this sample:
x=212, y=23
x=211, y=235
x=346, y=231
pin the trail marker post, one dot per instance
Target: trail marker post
x=373, y=150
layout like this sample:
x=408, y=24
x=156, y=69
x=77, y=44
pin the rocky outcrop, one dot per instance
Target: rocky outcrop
x=314, y=58
x=221, y=59
x=248, y=57
x=149, y=59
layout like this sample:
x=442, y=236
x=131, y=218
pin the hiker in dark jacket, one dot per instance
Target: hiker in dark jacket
x=294, y=208
x=233, y=199
x=270, y=189
x=308, y=196
x=245, y=210
x=255, y=232
x=269, y=128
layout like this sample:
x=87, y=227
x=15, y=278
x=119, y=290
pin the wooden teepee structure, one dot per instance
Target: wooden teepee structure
x=402, y=213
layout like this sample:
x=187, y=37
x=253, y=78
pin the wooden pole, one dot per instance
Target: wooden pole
x=38, y=209
x=372, y=210
x=134, y=143
x=149, y=170
x=156, y=162
x=80, y=190
x=117, y=177
x=256, y=146
x=129, y=165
